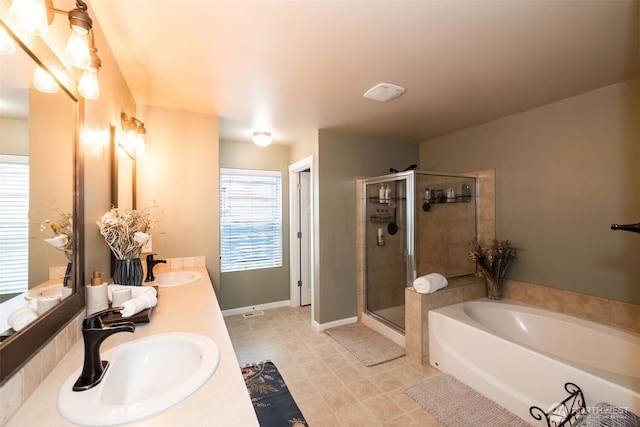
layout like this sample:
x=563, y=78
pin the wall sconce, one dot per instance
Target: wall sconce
x=35, y=16
x=134, y=135
x=262, y=138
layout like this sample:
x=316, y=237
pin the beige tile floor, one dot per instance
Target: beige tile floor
x=331, y=386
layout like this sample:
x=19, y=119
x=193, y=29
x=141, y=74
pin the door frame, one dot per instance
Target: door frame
x=294, y=223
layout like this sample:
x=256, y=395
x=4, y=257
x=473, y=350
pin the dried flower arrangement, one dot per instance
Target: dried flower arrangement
x=62, y=233
x=493, y=263
x=126, y=231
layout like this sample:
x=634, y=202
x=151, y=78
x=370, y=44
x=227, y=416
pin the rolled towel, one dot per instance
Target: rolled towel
x=430, y=283
x=137, y=304
x=136, y=291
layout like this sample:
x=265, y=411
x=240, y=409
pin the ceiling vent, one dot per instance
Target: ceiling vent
x=384, y=92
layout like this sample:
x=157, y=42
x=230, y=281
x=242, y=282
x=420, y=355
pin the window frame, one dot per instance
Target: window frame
x=231, y=265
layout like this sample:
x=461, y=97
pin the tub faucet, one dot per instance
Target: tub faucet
x=94, y=332
x=150, y=264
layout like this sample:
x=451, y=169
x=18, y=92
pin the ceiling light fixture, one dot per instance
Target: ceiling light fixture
x=34, y=18
x=135, y=135
x=262, y=138
x=384, y=92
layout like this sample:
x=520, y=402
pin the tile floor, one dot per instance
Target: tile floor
x=331, y=386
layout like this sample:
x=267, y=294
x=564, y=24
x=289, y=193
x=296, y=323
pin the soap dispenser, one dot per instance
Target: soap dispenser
x=97, y=295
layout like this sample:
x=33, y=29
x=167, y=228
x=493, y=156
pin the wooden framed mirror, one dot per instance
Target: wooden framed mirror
x=21, y=345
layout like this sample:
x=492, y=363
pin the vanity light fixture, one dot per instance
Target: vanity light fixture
x=262, y=138
x=35, y=16
x=135, y=135
x=78, y=51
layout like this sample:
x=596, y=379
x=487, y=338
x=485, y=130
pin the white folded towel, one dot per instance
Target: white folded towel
x=430, y=283
x=136, y=291
x=137, y=304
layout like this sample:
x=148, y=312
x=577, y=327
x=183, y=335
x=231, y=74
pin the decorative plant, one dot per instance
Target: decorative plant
x=62, y=233
x=126, y=231
x=493, y=263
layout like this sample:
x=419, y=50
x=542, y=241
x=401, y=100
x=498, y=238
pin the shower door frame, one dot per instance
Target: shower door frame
x=409, y=176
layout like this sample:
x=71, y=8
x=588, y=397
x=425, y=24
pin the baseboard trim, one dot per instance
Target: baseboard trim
x=333, y=324
x=249, y=309
x=383, y=330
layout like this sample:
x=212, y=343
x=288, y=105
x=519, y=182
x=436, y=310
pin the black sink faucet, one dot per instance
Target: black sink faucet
x=150, y=264
x=94, y=331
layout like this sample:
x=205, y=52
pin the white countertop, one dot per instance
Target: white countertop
x=222, y=401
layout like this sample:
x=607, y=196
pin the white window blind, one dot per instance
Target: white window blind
x=250, y=219
x=14, y=224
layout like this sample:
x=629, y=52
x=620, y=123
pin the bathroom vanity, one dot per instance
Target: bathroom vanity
x=222, y=401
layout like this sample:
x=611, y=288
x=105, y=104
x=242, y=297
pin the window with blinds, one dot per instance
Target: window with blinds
x=14, y=224
x=250, y=219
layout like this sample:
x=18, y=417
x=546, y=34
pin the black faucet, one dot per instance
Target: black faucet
x=150, y=264
x=94, y=332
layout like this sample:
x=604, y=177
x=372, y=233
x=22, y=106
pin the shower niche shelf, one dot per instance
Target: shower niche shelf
x=379, y=201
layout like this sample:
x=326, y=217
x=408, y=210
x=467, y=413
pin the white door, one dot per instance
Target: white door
x=304, y=236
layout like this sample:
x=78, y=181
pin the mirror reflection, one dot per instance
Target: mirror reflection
x=123, y=174
x=36, y=194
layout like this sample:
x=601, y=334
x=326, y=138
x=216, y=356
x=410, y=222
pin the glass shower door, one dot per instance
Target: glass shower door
x=389, y=246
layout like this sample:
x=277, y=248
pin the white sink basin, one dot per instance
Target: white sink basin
x=43, y=291
x=176, y=278
x=146, y=376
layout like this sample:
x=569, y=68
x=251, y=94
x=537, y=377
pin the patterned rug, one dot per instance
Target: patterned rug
x=457, y=405
x=367, y=345
x=270, y=397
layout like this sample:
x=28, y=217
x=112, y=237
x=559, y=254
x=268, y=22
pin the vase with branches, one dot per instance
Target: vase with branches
x=493, y=263
x=126, y=231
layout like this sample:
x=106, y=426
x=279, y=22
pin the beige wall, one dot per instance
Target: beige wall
x=342, y=158
x=179, y=175
x=254, y=287
x=15, y=136
x=564, y=173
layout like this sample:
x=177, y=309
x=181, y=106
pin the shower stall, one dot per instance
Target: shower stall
x=416, y=223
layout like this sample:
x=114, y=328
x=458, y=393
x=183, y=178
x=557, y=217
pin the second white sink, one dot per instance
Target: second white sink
x=176, y=278
x=146, y=376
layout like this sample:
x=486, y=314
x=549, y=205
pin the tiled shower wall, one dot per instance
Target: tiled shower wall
x=386, y=262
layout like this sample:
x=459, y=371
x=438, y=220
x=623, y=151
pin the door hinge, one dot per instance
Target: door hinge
x=299, y=234
x=299, y=186
x=299, y=283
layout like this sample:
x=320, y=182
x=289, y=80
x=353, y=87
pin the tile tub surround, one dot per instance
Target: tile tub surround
x=601, y=310
x=417, y=308
x=223, y=400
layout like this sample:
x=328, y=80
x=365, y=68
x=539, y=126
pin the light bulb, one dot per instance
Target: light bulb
x=130, y=140
x=43, y=81
x=30, y=16
x=140, y=146
x=88, y=86
x=7, y=44
x=77, y=51
x=262, y=139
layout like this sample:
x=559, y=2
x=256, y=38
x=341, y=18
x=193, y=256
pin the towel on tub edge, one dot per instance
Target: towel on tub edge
x=430, y=283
